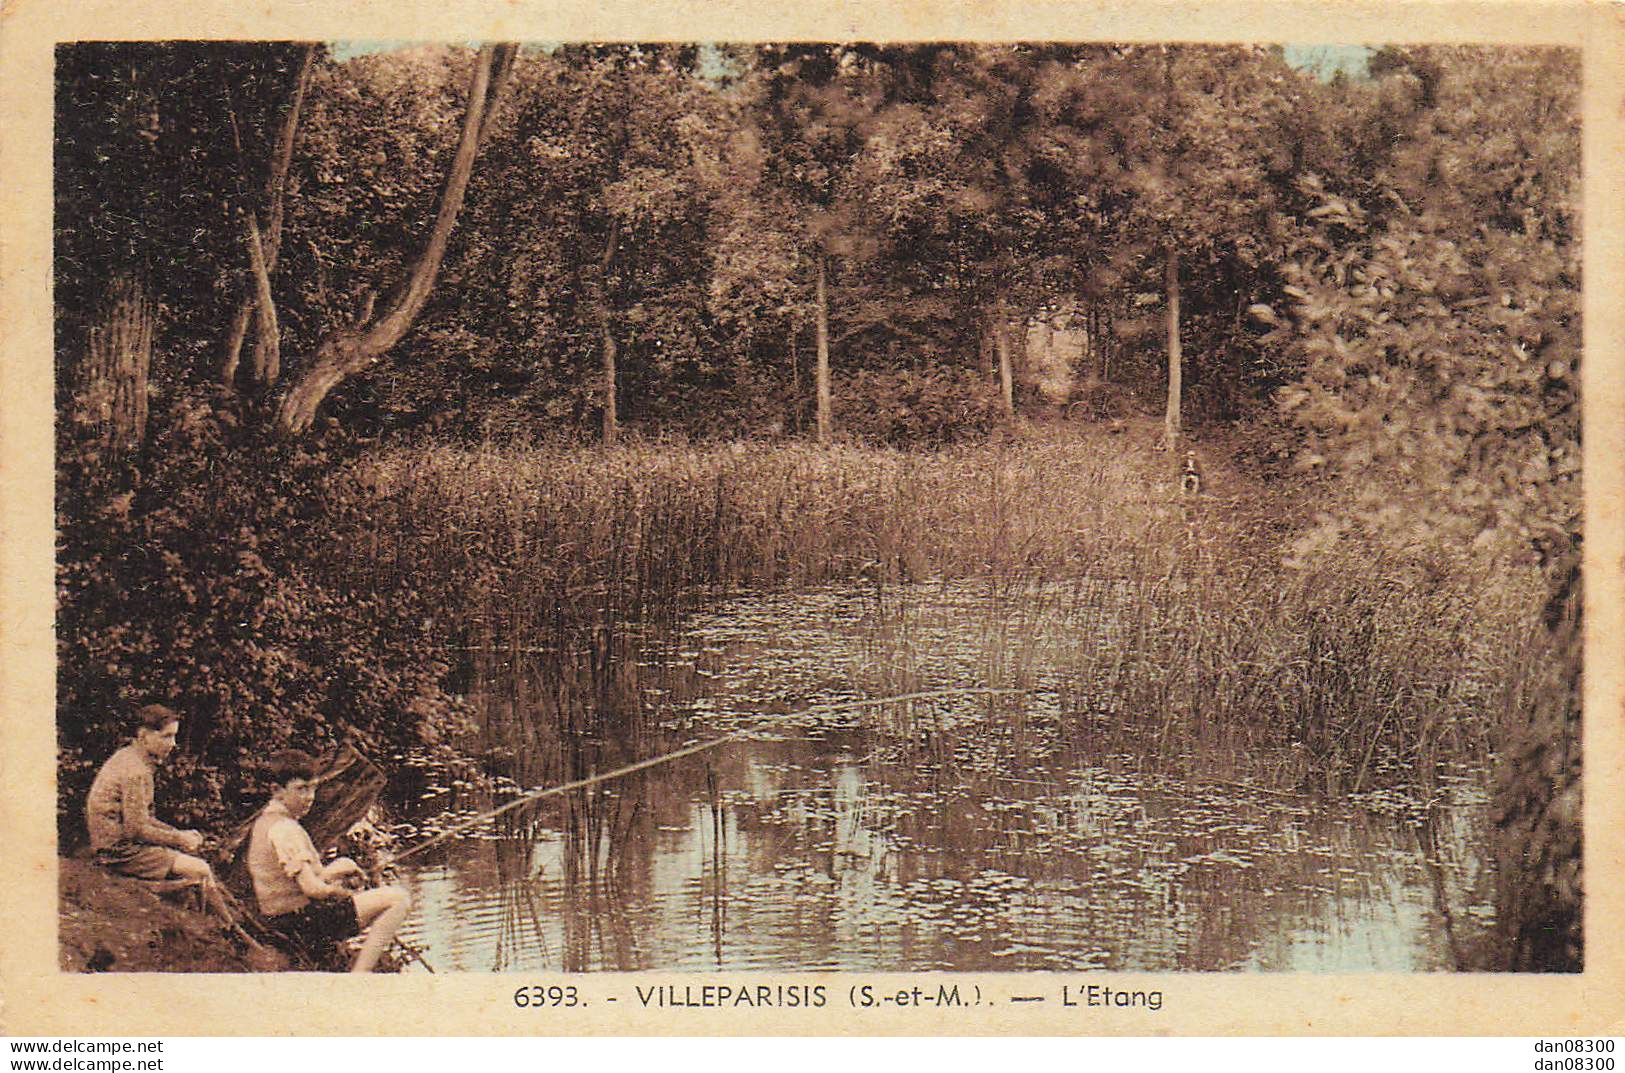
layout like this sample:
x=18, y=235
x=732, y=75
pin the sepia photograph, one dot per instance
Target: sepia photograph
x=780, y=513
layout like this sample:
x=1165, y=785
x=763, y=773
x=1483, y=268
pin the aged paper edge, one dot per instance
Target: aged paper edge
x=37, y=999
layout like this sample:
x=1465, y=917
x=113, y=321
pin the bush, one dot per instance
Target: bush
x=916, y=408
x=204, y=578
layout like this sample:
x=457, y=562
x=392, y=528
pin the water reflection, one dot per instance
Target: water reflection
x=961, y=833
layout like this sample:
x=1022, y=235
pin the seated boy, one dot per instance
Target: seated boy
x=309, y=902
x=125, y=836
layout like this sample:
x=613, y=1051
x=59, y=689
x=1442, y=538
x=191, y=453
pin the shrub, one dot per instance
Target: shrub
x=205, y=578
x=916, y=407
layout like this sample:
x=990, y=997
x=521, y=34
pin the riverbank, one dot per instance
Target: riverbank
x=108, y=924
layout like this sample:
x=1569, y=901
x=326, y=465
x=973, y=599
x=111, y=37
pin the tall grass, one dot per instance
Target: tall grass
x=1356, y=673
x=1353, y=667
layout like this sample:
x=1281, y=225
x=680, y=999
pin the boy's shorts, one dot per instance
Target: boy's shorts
x=320, y=924
x=140, y=860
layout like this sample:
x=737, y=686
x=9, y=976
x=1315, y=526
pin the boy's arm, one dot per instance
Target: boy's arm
x=342, y=869
x=140, y=825
x=314, y=885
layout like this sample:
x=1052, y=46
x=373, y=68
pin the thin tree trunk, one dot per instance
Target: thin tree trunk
x=795, y=370
x=606, y=337
x=742, y=375
x=1097, y=344
x=267, y=367
x=112, y=395
x=984, y=349
x=347, y=351
x=231, y=352
x=1108, y=343
x=1001, y=346
x=276, y=189
x=1170, y=421
x=824, y=406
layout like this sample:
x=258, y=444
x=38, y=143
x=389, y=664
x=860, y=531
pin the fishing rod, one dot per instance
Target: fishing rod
x=687, y=750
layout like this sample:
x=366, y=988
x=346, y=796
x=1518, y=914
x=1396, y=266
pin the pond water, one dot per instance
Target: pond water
x=951, y=832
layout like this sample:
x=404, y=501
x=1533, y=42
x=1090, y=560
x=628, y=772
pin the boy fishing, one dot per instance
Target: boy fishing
x=312, y=904
x=125, y=836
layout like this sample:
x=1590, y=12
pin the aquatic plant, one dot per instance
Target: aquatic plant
x=1361, y=663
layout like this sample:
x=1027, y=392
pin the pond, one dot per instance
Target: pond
x=956, y=831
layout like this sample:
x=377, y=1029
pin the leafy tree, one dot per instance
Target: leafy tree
x=145, y=168
x=345, y=351
x=1438, y=327
x=815, y=103
x=187, y=570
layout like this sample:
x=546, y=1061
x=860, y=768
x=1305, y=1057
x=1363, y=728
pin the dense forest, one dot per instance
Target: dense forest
x=366, y=361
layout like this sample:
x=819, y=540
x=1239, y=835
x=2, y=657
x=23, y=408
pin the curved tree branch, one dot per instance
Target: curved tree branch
x=347, y=351
x=276, y=188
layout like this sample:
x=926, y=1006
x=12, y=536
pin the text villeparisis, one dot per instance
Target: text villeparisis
x=712, y=996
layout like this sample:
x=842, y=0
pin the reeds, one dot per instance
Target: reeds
x=1353, y=668
x=1350, y=675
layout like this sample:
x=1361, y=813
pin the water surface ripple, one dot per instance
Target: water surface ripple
x=962, y=833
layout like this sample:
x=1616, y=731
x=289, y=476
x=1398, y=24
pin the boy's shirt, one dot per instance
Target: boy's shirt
x=119, y=807
x=278, y=850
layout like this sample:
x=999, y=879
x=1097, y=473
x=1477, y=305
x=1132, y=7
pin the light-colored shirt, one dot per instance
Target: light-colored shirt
x=279, y=848
x=119, y=806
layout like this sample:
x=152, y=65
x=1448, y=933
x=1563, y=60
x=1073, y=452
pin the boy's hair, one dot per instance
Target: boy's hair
x=290, y=764
x=154, y=717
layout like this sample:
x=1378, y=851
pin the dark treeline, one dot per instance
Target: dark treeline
x=270, y=258
x=677, y=238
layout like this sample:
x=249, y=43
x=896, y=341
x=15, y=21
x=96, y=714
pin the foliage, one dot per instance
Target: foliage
x=207, y=583
x=145, y=169
x=1439, y=331
x=376, y=142
x=908, y=407
x=1438, y=327
x=1394, y=262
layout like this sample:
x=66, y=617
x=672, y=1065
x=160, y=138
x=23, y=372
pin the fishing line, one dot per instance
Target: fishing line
x=687, y=750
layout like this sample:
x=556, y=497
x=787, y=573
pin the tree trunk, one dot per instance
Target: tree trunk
x=231, y=352
x=111, y=399
x=984, y=349
x=795, y=360
x=1001, y=346
x=347, y=351
x=611, y=418
x=1098, y=360
x=1108, y=334
x=742, y=354
x=824, y=406
x=606, y=337
x=1170, y=421
x=267, y=367
x=1088, y=359
x=607, y=342
x=276, y=188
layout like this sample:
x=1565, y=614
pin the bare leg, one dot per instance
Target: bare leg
x=199, y=872
x=380, y=911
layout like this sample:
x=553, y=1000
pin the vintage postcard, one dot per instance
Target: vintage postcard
x=904, y=518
